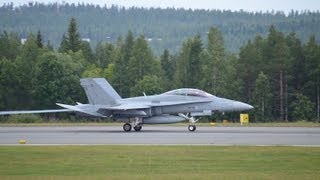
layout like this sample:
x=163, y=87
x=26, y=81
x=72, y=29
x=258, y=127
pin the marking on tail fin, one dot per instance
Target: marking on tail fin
x=99, y=91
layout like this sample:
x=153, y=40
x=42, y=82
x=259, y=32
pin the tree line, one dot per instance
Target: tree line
x=277, y=74
x=164, y=28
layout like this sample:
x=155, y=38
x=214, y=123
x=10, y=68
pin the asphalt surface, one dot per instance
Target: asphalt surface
x=163, y=135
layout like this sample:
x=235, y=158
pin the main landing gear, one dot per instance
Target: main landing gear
x=137, y=128
x=127, y=127
x=137, y=125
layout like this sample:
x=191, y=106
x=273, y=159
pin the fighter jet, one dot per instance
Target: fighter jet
x=170, y=107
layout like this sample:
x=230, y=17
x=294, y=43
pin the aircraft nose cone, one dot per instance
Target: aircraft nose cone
x=240, y=106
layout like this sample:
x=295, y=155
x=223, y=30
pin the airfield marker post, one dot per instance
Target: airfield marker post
x=244, y=119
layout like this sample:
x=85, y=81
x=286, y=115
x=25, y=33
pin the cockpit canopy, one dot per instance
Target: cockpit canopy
x=188, y=92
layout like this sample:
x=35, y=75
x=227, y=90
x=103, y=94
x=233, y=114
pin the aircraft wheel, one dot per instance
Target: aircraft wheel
x=192, y=127
x=137, y=128
x=127, y=127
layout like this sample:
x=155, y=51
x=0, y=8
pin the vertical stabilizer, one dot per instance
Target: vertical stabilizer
x=99, y=91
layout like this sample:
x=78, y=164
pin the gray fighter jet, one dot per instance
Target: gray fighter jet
x=170, y=107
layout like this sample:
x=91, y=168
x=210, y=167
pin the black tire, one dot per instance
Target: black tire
x=192, y=128
x=137, y=128
x=127, y=127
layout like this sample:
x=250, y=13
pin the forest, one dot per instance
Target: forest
x=278, y=73
x=163, y=28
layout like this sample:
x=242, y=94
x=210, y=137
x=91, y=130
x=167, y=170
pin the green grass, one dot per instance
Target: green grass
x=272, y=124
x=159, y=162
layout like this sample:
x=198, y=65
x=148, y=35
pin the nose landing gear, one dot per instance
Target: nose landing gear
x=192, y=127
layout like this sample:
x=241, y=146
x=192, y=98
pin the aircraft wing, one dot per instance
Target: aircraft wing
x=35, y=111
x=134, y=106
x=171, y=103
x=124, y=107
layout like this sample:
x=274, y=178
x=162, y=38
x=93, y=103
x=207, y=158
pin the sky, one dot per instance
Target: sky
x=247, y=5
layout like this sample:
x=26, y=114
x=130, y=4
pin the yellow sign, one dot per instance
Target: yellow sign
x=244, y=118
x=22, y=141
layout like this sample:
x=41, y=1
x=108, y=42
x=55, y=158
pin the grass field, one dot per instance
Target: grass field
x=268, y=124
x=159, y=162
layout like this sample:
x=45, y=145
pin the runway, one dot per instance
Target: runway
x=161, y=135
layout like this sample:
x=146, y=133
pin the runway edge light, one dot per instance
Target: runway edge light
x=244, y=118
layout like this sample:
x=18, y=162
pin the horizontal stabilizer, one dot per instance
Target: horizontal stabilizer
x=77, y=109
x=35, y=111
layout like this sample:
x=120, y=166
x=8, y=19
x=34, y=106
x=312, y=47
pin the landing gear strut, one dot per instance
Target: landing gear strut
x=192, y=127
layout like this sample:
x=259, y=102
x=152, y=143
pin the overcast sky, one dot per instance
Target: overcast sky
x=248, y=5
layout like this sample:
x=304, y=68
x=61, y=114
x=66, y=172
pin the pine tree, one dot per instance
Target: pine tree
x=194, y=63
x=297, y=64
x=120, y=78
x=73, y=39
x=165, y=63
x=279, y=58
x=182, y=64
x=26, y=69
x=168, y=68
x=189, y=63
x=105, y=54
x=312, y=86
x=141, y=61
x=262, y=98
x=10, y=45
x=49, y=46
x=250, y=63
x=64, y=47
x=214, y=63
x=39, y=40
x=9, y=85
x=302, y=108
x=87, y=52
